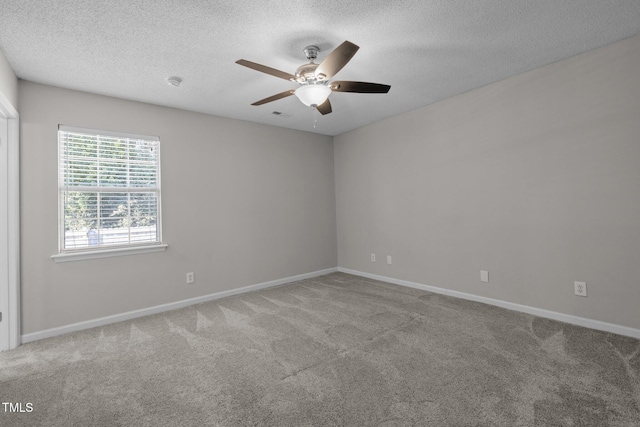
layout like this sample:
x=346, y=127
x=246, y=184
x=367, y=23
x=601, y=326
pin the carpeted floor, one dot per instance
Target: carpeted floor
x=336, y=350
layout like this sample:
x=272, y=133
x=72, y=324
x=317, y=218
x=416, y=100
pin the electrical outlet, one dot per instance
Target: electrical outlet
x=484, y=276
x=373, y=257
x=191, y=278
x=580, y=288
x=389, y=260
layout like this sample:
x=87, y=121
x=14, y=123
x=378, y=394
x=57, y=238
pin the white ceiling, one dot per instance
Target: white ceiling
x=427, y=50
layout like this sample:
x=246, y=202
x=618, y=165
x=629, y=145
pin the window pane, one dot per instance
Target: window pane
x=113, y=148
x=114, y=210
x=145, y=151
x=113, y=174
x=142, y=175
x=80, y=216
x=81, y=145
x=114, y=236
x=126, y=216
x=80, y=172
x=144, y=208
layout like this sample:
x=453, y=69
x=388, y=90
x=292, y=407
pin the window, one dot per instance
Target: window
x=109, y=191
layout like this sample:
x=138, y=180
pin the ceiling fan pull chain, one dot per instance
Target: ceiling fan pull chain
x=315, y=117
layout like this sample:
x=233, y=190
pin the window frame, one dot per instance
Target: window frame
x=103, y=251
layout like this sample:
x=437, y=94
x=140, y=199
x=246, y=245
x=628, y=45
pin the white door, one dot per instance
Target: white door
x=4, y=235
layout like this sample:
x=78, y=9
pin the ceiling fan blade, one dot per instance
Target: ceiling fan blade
x=275, y=97
x=265, y=69
x=325, y=107
x=336, y=60
x=359, y=87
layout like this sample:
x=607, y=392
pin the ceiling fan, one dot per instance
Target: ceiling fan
x=314, y=79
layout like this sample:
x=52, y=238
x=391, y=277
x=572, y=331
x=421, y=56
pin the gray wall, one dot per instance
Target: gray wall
x=8, y=81
x=535, y=178
x=242, y=203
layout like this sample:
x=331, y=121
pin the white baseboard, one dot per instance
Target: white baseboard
x=102, y=321
x=567, y=318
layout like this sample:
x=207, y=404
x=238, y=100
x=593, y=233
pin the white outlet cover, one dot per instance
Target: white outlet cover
x=580, y=288
x=373, y=257
x=484, y=276
x=389, y=260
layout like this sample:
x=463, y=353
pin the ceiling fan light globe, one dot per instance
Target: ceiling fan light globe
x=313, y=95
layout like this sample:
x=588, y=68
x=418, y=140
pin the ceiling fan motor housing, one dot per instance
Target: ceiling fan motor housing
x=306, y=73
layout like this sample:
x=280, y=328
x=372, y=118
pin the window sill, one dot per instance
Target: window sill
x=106, y=253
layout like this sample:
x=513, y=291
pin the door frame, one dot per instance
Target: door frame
x=10, y=224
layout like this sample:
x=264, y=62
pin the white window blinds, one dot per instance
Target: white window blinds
x=109, y=189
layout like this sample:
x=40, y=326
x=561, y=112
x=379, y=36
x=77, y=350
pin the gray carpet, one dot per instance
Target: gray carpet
x=336, y=350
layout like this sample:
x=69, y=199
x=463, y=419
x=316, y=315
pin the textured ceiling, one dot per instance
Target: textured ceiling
x=426, y=50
